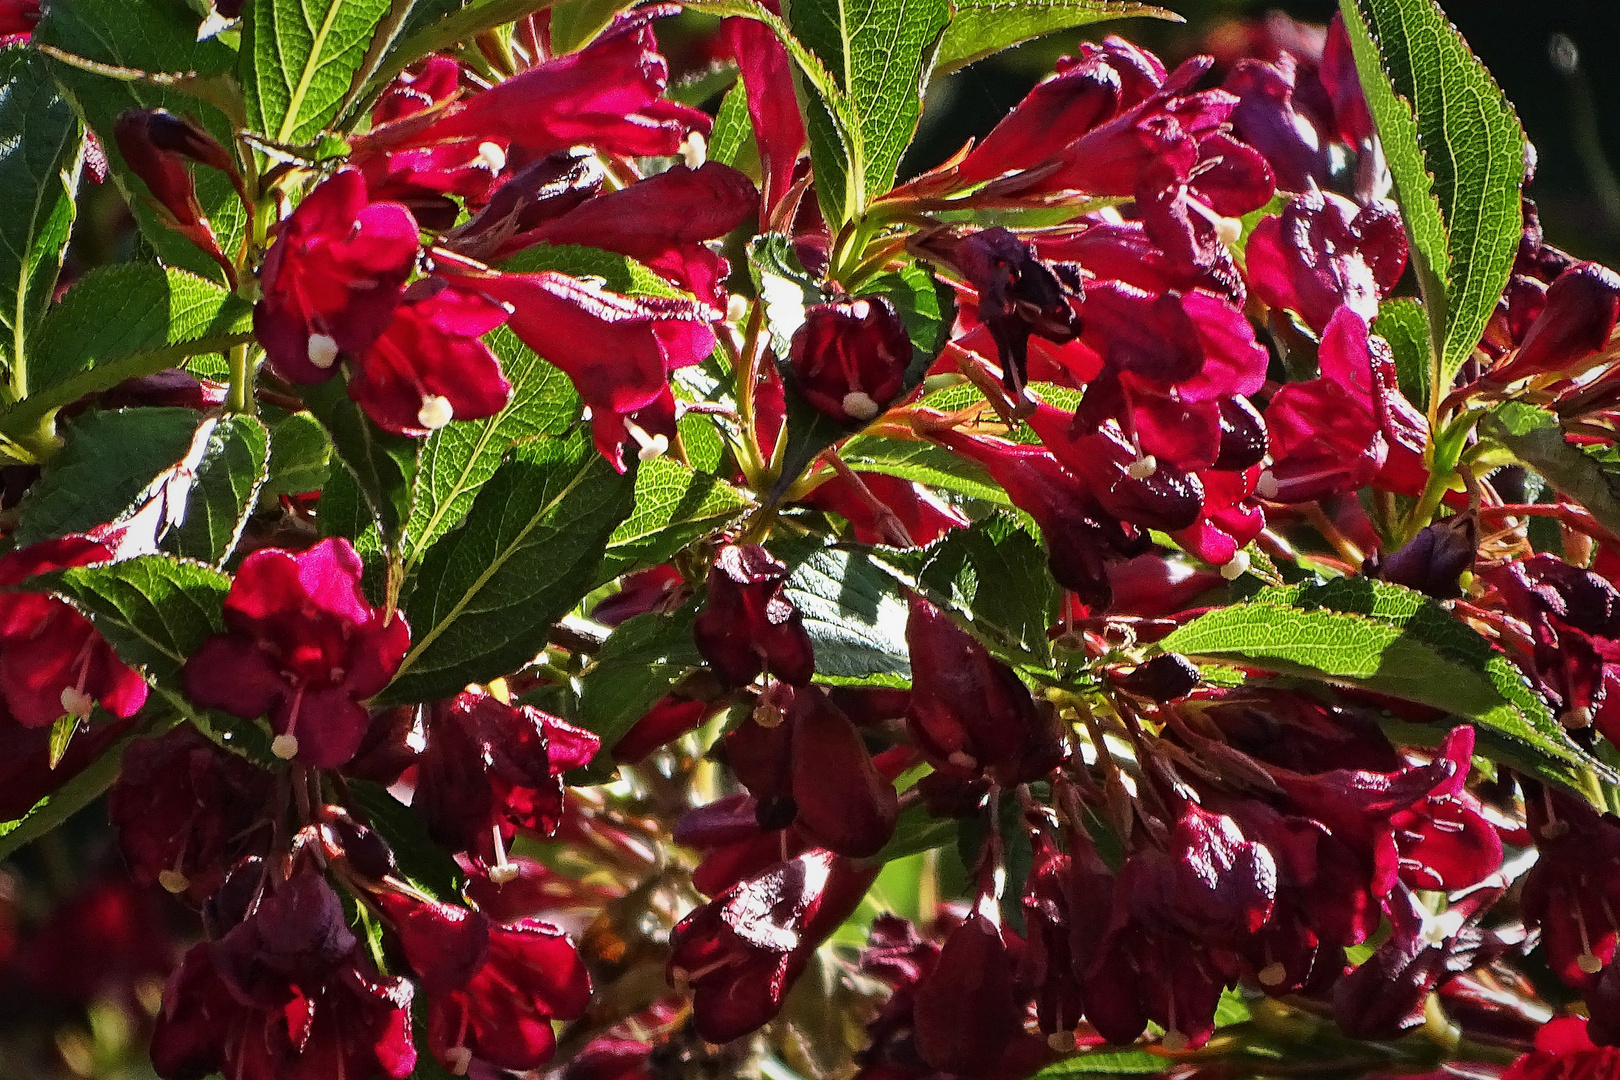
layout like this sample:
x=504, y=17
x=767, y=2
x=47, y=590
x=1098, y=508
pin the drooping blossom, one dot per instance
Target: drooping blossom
x=156, y=144
x=1573, y=890
x=303, y=645
x=1324, y=252
x=773, y=107
x=923, y=515
x=748, y=625
x=849, y=358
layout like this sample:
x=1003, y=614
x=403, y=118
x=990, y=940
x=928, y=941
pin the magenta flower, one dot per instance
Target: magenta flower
x=53, y=662
x=773, y=107
x=1269, y=118
x=923, y=515
x=432, y=82
x=749, y=626
x=1573, y=891
x=1323, y=252
x=430, y=366
x=850, y=358
x=303, y=645
x=618, y=350
x=492, y=989
x=1575, y=320
x=333, y=278
x=1565, y=1051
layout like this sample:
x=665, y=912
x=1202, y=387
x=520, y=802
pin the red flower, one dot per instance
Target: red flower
x=773, y=108
x=965, y=1011
x=1565, y=1051
x=53, y=663
x=618, y=350
x=304, y=645
x=749, y=626
x=429, y=367
x=1577, y=320
x=492, y=989
x=1323, y=252
x=333, y=278
x=1573, y=890
x=923, y=515
x=156, y=145
x=850, y=358
x=17, y=19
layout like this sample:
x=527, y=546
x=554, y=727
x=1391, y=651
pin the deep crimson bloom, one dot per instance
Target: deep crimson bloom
x=923, y=515
x=492, y=989
x=155, y=145
x=1267, y=119
x=606, y=95
x=850, y=358
x=303, y=645
x=1565, y=1051
x=101, y=941
x=1323, y=252
x=17, y=19
x=433, y=81
x=429, y=367
x=332, y=279
x=488, y=769
x=734, y=846
x=285, y=995
x=1165, y=498
x=640, y=593
x=1576, y=319
x=53, y=663
x=186, y=810
x=969, y=713
x=811, y=769
x=662, y=222
x=1434, y=560
x=1573, y=890
x=749, y=626
x=1191, y=213
x=773, y=108
x=669, y=718
x=965, y=1011
x=26, y=774
x=739, y=954
x=618, y=350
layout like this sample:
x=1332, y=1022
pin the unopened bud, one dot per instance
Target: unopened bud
x=284, y=747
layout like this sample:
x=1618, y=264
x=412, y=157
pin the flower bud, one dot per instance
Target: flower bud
x=1434, y=560
x=749, y=625
x=1580, y=313
x=966, y=1011
x=850, y=358
x=1166, y=677
x=155, y=144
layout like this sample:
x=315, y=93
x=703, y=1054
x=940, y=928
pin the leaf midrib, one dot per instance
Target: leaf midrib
x=295, y=103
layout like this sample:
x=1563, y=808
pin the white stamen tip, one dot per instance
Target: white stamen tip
x=859, y=406
x=1174, y=1041
x=1266, y=487
x=655, y=447
x=458, y=1059
x=491, y=156
x=323, y=350
x=861, y=309
x=1228, y=230
x=284, y=747
x=695, y=150
x=1273, y=974
x=736, y=308
x=1143, y=467
x=503, y=873
x=173, y=881
x=767, y=715
x=1061, y=1042
x=1577, y=718
x=963, y=760
x=1236, y=566
x=436, y=412
x=76, y=702
x=1589, y=963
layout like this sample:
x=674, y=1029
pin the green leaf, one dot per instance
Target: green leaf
x=300, y=457
x=575, y=23
x=982, y=27
x=1402, y=323
x=674, y=506
x=923, y=463
x=80, y=791
x=995, y=573
x=732, y=135
x=39, y=171
x=459, y=458
x=917, y=830
x=926, y=306
x=1394, y=641
x=422, y=862
x=1457, y=154
x=299, y=59
x=620, y=273
x=638, y=664
x=382, y=464
x=1107, y=1063
x=228, y=479
x=488, y=593
x=1534, y=436
x=880, y=53
x=439, y=25
x=110, y=460
x=158, y=36
x=853, y=613
x=154, y=610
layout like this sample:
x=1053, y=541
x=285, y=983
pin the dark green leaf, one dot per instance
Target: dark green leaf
x=489, y=591
x=1134, y=1062
x=674, y=506
x=110, y=459
x=852, y=611
x=383, y=464
x=880, y=53
x=641, y=660
x=1457, y=154
x=923, y=463
x=917, y=830
x=1402, y=323
x=422, y=862
x=982, y=27
x=342, y=511
x=1535, y=438
x=460, y=458
x=157, y=36
x=995, y=573
x=118, y=322
x=225, y=490
x=300, y=457
x=575, y=23
x=299, y=59
x=39, y=171
x=67, y=800
x=1393, y=641
x=153, y=610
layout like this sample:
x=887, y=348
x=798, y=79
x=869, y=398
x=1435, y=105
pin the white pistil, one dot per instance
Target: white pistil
x=284, y=747
x=173, y=881
x=1173, y=1041
x=459, y=1059
x=502, y=871
x=695, y=150
x=323, y=350
x=1266, y=487
x=1061, y=1041
x=436, y=412
x=1143, y=467
x=75, y=702
x=859, y=406
x=736, y=308
x=1236, y=566
x=1273, y=974
x=491, y=156
x=652, y=446
x=861, y=309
